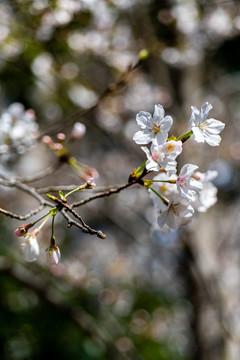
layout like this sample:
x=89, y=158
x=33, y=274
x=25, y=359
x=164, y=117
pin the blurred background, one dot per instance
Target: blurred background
x=137, y=294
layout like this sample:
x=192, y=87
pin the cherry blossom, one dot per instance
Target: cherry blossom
x=162, y=187
x=208, y=195
x=186, y=185
x=176, y=213
x=172, y=148
x=205, y=129
x=157, y=159
x=154, y=127
x=19, y=129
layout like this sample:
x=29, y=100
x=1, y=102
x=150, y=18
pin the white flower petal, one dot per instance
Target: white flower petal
x=143, y=118
x=212, y=140
x=166, y=123
x=198, y=134
x=215, y=126
x=206, y=107
x=160, y=138
x=159, y=113
x=187, y=212
x=31, y=249
x=195, y=117
x=161, y=220
x=171, y=221
x=187, y=170
x=142, y=137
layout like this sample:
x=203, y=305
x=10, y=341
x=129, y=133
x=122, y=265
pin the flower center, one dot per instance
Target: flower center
x=155, y=156
x=155, y=128
x=169, y=148
x=163, y=188
x=203, y=125
x=181, y=181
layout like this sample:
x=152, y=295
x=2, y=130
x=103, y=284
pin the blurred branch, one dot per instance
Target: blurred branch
x=42, y=174
x=111, y=88
x=22, y=217
x=31, y=191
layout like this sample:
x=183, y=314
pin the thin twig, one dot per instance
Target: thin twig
x=103, y=194
x=42, y=174
x=56, y=188
x=22, y=217
x=82, y=225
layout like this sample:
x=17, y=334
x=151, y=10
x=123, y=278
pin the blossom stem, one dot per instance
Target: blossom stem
x=78, y=188
x=34, y=222
x=45, y=220
x=185, y=136
x=164, y=200
x=53, y=243
x=165, y=181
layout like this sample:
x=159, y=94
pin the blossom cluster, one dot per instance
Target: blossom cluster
x=18, y=130
x=177, y=196
x=30, y=246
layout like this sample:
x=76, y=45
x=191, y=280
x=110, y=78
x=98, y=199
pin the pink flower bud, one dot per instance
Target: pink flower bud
x=78, y=131
x=57, y=147
x=47, y=140
x=22, y=230
x=53, y=255
x=30, y=114
x=61, y=137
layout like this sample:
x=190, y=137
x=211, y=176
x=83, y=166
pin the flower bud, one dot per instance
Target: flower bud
x=90, y=183
x=53, y=255
x=22, y=230
x=78, y=131
x=57, y=147
x=47, y=140
x=61, y=137
x=30, y=248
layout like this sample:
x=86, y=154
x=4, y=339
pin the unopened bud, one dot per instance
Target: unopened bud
x=90, y=183
x=47, y=140
x=57, y=147
x=53, y=255
x=22, y=230
x=78, y=131
x=61, y=137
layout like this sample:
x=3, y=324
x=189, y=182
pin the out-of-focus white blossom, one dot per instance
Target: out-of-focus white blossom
x=78, y=131
x=18, y=129
x=30, y=248
x=205, y=129
x=219, y=23
x=154, y=128
x=208, y=195
x=82, y=96
x=186, y=185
